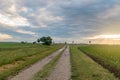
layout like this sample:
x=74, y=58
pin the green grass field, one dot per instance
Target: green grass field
x=89, y=62
x=13, y=45
x=106, y=55
x=84, y=68
x=19, y=56
x=4, y=46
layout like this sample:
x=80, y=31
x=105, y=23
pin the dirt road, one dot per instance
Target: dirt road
x=28, y=73
x=62, y=70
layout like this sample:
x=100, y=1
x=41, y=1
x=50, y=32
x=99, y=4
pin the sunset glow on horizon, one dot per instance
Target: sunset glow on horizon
x=106, y=39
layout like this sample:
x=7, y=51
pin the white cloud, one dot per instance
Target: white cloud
x=24, y=9
x=8, y=6
x=4, y=36
x=9, y=15
x=47, y=16
x=44, y=16
x=25, y=32
x=12, y=9
x=106, y=36
x=13, y=20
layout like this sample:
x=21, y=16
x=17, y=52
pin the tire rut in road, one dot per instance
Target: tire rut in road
x=62, y=70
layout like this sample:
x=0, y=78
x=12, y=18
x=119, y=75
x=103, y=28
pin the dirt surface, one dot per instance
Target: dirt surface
x=28, y=73
x=62, y=70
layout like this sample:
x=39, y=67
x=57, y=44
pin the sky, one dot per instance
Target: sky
x=63, y=20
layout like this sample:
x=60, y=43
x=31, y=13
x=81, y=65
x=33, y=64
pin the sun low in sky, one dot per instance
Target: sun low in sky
x=63, y=20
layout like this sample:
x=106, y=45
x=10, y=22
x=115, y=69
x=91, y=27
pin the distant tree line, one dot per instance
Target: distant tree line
x=23, y=42
x=43, y=40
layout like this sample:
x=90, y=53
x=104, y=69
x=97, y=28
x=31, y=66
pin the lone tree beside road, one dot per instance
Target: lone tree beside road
x=46, y=40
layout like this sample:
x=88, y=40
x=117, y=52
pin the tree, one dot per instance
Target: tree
x=89, y=42
x=46, y=40
x=23, y=42
x=72, y=42
x=38, y=40
x=34, y=42
x=65, y=42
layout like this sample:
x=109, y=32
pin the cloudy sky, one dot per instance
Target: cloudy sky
x=64, y=20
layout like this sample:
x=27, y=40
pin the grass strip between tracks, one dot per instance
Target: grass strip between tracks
x=45, y=72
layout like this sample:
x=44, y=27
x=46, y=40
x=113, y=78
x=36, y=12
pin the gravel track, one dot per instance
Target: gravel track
x=28, y=73
x=62, y=70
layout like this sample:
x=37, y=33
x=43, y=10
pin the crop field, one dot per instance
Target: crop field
x=16, y=56
x=106, y=55
x=88, y=62
x=13, y=45
x=84, y=68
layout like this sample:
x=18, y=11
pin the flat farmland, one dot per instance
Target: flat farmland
x=106, y=55
x=84, y=68
x=87, y=62
x=15, y=56
x=13, y=45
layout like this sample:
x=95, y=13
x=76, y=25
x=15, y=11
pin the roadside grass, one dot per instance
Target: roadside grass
x=84, y=68
x=13, y=44
x=10, y=56
x=45, y=72
x=17, y=46
x=29, y=56
x=106, y=55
